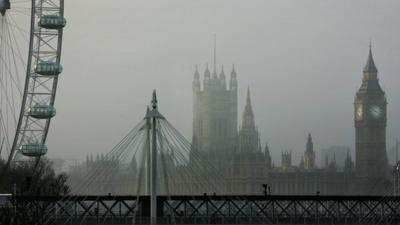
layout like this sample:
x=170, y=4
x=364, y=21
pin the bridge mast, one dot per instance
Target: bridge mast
x=153, y=161
x=147, y=152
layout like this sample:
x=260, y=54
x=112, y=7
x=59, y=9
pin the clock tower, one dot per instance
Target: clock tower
x=370, y=126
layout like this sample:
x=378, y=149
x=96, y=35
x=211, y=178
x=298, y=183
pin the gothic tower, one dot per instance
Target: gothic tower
x=249, y=138
x=250, y=164
x=309, y=155
x=370, y=131
x=214, y=115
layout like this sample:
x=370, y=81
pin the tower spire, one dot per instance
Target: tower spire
x=207, y=73
x=370, y=65
x=309, y=145
x=233, y=83
x=248, y=100
x=196, y=73
x=215, y=53
x=196, y=80
x=248, y=116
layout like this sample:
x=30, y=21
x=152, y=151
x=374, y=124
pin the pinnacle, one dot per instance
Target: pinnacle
x=370, y=65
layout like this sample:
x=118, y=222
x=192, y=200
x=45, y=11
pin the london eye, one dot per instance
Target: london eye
x=31, y=34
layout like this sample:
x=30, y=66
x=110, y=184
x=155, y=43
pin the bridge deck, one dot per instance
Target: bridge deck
x=216, y=209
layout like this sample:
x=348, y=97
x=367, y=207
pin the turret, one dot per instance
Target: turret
x=249, y=138
x=309, y=145
x=207, y=77
x=248, y=115
x=196, y=81
x=309, y=155
x=348, y=163
x=222, y=78
x=233, y=84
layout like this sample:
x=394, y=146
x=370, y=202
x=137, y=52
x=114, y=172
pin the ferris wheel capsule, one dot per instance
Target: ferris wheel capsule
x=4, y=5
x=48, y=68
x=42, y=111
x=33, y=150
x=52, y=22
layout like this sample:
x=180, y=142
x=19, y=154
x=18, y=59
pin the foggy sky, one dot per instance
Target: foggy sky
x=303, y=62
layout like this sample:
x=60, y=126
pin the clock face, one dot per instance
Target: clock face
x=359, y=112
x=376, y=111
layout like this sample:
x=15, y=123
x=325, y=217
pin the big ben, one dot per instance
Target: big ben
x=370, y=132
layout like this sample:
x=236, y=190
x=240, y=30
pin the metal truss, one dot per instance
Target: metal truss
x=215, y=209
x=45, y=46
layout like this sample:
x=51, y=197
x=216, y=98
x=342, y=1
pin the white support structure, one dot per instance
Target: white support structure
x=152, y=118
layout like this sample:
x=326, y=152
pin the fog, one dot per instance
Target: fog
x=302, y=60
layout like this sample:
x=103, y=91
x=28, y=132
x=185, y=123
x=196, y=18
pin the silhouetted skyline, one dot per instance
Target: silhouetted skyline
x=302, y=61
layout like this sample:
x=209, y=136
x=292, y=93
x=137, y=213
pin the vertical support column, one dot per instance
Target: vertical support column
x=396, y=172
x=153, y=185
x=148, y=153
x=153, y=162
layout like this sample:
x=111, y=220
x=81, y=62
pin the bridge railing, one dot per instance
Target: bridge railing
x=214, y=209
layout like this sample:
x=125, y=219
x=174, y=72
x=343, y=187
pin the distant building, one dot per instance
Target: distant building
x=214, y=115
x=309, y=155
x=370, y=131
x=247, y=167
x=239, y=163
x=336, y=153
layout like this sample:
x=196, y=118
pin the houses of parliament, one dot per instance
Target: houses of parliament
x=228, y=158
x=236, y=151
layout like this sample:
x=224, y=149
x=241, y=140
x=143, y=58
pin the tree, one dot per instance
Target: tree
x=31, y=178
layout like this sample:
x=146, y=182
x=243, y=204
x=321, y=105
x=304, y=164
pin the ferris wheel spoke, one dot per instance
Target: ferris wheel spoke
x=5, y=135
x=20, y=11
x=9, y=58
x=23, y=33
x=5, y=93
x=11, y=65
x=15, y=54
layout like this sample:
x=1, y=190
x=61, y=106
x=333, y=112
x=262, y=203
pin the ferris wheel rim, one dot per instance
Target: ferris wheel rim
x=28, y=100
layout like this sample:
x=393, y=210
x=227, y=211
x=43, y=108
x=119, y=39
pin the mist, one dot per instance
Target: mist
x=302, y=61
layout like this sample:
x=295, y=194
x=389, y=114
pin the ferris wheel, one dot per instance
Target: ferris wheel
x=31, y=34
